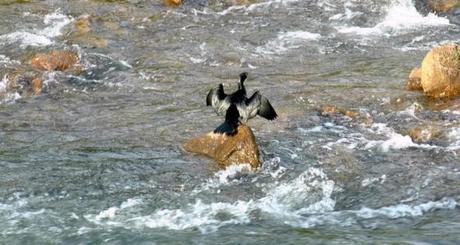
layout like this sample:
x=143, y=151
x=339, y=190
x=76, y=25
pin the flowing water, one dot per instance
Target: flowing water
x=97, y=157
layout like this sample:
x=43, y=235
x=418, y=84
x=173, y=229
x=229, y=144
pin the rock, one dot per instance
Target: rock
x=226, y=150
x=424, y=134
x=82, y=25
x=414, y=82
x=36, y=86
x=81, y=33
x=22, y=82
x=441, y=71
x=172, y=3
x=335, y=110
x=56, y=60
x=443, y=6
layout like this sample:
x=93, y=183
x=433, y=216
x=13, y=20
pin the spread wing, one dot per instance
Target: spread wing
x=263, y=106
x=266, y=109
x=229, y=127
x=215, y=95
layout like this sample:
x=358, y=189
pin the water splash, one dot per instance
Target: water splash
x=54, y=23
x=286, y=41
x=394, y=24
x=309, y=193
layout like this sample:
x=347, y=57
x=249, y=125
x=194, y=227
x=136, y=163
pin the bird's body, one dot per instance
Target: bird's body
x=247, y=107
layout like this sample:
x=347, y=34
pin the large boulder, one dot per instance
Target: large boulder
x=443, y=6
x=240, y=148
x=441, y=71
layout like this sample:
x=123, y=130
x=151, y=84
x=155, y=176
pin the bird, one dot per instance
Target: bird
x=230, y=125
x=247, y=108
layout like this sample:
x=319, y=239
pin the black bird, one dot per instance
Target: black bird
x=230, y=125
x=247, y=107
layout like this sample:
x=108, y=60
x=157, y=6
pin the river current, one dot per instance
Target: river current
x=98, y=158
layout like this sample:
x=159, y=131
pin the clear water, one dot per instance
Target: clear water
x=98, y=158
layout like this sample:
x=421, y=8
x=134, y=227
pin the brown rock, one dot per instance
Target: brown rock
x=336, y=110
x=441, y=71
x=443, y=5
x=56, y=60
x=23, y=82
x=36, y=86
x=172, y=3
x=424, y=134
x=82, y=25
x=330, y=110
x=82, y=33
x=414, y=82
x=227, y=150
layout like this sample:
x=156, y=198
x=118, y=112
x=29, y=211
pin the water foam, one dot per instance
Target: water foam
x=227, y=176
x=353, y=217
x=111, y=213
x=454, y=137
x=54, y=23
x=395, y=141
x=257, y=6
x=286, y=41
x=394, y=23
x=309, y=193
x=5, y=95
x=305, y=201
x=5, y=60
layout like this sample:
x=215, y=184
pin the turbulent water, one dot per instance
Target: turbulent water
x=97, y=157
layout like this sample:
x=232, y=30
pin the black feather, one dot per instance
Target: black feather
x=241, y=87
x=219, y=92
x=230, y=126
x=266, y=109
x=209, y=98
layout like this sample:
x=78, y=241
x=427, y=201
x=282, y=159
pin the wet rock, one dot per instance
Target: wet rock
x=424, y=134
x=172, y=3
x=335, y=110
x=82, y=25
x=440, y=71
x=36, y=86
x=23, y=83
x=56, y=60
x=81, y=34
x=443, y=6
x=226, y=150
x=363, y=118
x=414, y=83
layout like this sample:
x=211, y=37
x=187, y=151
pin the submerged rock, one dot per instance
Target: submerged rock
x=82, y=33
x=440, y=72
x=21, y=82
x=56, y=60
x=327, y=110
x=226, y=150
x=414, y=82
x=424, y=134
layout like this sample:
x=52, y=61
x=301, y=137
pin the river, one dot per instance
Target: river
x=97, y=157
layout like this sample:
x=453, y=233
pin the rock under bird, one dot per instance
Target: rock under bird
x=247, y=107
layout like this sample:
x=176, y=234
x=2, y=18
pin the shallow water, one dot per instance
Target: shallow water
x=97, y=157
